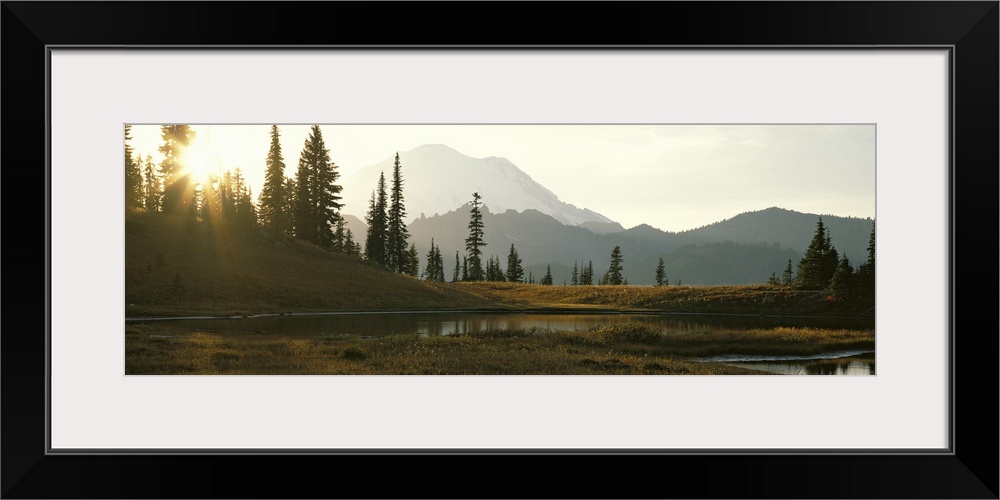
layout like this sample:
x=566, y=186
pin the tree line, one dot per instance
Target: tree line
x=307, y=207
x=823, y=268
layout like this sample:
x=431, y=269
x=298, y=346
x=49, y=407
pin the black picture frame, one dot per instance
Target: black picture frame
x=969, y=28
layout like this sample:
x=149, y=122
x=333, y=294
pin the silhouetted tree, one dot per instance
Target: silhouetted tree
x=178, y=190
x=133, y=173
x=153, y=192
x=661, y=274
x=515, y=273
x=412, y=261
x=547, y=279
x=786, y=277
x=435, y=264
x=819, y=262
x=396, y=232
x=866, y=272
x=475, y=242
x=614, y=274
x=376, y=219
x=587, y=274
x=318, y=195
x=456, y=275
x=842, y=283
x=575, y=276
x=272, y=196
x=773, y=280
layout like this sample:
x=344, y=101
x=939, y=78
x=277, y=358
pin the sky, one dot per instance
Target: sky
x=672, y=177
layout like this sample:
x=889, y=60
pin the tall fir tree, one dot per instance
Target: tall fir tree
x=272, y=196
x=178, y=188
x=475, y=242
x=327, y=203
x=575, y=277
x=614, y=274
x=375, y=243
x=456, y=276
x=305, y=214
x=152, y=190
x=515, y=273
x=819, y=262
x=133, y=173
x=396, y=232
x=661, y=274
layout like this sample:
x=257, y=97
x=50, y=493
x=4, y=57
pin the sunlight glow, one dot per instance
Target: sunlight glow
x=196, y=161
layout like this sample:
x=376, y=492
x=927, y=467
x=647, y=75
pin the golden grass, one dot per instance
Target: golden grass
x=175, y=267
x=618, y=349
x=737, y=299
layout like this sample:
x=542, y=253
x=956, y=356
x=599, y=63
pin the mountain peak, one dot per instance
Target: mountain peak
x=438, y=179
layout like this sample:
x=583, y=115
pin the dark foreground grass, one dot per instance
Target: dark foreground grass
x=613, y=350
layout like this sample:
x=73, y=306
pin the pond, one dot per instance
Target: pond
x=333, y=325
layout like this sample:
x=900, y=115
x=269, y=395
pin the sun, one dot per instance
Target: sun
x=196, y=162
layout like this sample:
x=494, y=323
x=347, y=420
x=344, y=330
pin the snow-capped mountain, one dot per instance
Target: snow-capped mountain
x=437, y=179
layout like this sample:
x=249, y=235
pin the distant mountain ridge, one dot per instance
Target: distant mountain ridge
x=745, y=249
x=438, y=179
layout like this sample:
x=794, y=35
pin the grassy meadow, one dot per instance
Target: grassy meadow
x=628, y=349
x=175, y=266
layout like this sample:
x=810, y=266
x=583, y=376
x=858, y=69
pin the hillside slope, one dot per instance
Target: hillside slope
x=175, y=266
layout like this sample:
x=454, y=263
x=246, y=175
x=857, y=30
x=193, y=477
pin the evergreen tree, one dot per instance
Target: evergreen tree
x=305, y=214
x=435, y=264
x=327, y=203
x=531, y=278
x=515, y=273
x=272, y=196
x=661, y=274
x=819, y=262
x=153, y=192
x=375, y=244
x=614, y=275
x=575, y=277
x=547, y=280
x=490, y=276
x=475, y=242
x=178, y=190
x=339, y=236
x=396, y=232
x=455, y=276
x=842, y=282
x=317, y=207
x=465, y=268
x=587, y=274
x=773, y=280
x=786, y=277
x=866, y=272
x=133, y=173
x=290, y=189
x=412, y=261
x=350, y=247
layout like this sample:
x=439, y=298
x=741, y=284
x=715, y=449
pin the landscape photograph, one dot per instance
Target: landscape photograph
x=474, y=249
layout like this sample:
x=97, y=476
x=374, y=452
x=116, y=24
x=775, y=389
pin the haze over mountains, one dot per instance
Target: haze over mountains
x=439, y=181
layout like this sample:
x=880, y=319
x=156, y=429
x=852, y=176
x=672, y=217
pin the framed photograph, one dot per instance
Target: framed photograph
x=906, y=90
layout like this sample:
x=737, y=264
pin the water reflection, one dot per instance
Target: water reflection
x=432, y=324
x=852, y=365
